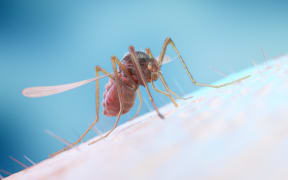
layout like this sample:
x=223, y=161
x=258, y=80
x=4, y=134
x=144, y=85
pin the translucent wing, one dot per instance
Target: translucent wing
x=50, y=90
x=166, y=59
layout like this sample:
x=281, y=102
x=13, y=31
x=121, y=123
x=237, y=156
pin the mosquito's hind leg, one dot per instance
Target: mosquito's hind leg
x=169, y=41
x=141, y=76
x=97, y=69
x=120, y=96
x=125, y=70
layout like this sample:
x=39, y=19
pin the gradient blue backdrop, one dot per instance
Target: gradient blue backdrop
x=55, y=42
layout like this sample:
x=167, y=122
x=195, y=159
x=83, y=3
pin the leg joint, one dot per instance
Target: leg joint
x=113, y=58
x=168, y=39
x=98, y=68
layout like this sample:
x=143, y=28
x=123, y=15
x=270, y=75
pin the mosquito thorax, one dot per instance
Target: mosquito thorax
x=148, y=66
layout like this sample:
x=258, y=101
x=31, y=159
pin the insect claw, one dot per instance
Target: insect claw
x=161, y=116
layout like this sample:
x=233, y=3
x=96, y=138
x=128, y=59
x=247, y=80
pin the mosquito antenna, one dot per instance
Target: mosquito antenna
x=18, y=162
x=29, y=160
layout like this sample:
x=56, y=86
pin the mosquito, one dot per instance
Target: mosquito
x=137, y=68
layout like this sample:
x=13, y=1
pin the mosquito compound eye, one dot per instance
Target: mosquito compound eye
x=150, y=66
x=153, y=66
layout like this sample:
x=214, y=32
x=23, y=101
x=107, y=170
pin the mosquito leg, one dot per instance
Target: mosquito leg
x=169, y=41
x=120, y=96
x=140, y=75
x=125, y=70
x=169, y=90
x=148, y=51
x=165, y=93
x=97, y=69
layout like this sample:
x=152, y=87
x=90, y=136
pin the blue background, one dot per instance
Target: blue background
x=56, y=42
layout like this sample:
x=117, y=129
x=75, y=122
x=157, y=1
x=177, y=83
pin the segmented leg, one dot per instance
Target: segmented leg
x=120, y=95
x=165, y=93
x=97, y=69
x=124, y=69
x=140, y=75
x=148, y=51
x=116, y=78
x=169, y=41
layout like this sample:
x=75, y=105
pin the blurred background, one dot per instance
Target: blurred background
x=56, y=42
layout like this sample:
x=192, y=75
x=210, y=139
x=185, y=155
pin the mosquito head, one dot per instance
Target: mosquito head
x=149, y=66
x=153, y=66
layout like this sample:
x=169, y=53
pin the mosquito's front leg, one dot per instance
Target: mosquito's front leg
x=141, y=76
x=159, y=74
x=165, y=93
x=160, y=61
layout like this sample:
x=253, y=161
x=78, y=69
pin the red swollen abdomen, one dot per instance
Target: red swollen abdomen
x=111, y=102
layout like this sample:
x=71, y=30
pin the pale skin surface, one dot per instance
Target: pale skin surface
x=140, y=75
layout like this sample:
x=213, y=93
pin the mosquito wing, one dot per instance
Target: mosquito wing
x=166, y=59
x=50, y=90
